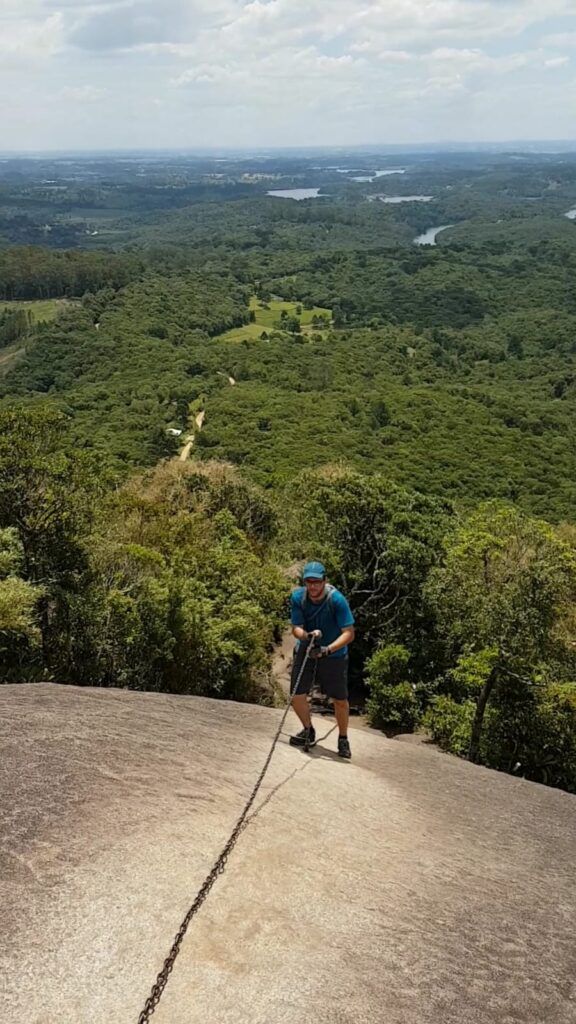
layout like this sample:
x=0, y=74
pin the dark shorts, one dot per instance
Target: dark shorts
x=330, y=675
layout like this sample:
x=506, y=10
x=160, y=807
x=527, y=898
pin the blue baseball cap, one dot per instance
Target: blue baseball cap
x=313, y=571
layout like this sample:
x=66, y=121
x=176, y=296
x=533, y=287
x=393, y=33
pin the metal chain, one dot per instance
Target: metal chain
x=218, y=869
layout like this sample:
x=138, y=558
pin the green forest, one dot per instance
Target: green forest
x=405, y=412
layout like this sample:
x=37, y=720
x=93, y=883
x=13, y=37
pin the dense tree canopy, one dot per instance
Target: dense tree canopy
x=35, y=273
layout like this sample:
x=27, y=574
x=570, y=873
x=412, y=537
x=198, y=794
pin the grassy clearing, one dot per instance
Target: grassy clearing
x=252, y=331
x=41, y=309
x=266, y=318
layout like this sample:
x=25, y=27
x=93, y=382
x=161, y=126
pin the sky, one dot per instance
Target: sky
x=173, y=74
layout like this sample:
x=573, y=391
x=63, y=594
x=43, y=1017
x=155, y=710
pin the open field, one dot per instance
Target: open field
x=267, y=317
x=41, y=309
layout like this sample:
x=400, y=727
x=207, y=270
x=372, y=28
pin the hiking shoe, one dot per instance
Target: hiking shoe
x=344, y=748
x=307, y=736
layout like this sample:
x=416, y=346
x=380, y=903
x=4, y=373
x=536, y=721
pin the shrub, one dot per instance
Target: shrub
x=393, y=707
x=20, y=647
x=388, y=665
x=537, y=738
x=392, y=703
x=450, y=724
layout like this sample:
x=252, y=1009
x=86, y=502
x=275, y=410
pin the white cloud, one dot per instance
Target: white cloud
x=312, y=80
x=405, y=23
x=477, y=60
x=28, y=38
x=83, y=94
x=211, y=74
x=556, y=62
x=391, y=56
x=286, y=71
x=128, y=24
x=560, y=40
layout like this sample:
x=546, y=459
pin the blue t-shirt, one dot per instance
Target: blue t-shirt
x=330, y=615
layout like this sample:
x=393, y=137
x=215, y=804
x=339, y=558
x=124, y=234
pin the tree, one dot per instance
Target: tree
x=13, y=325
x=292, y=324
x=288, y=323
x=380, y=413
x=516, y=347
x=379, y=542
x=46, y=497
x=183, y=598
x=503, y=593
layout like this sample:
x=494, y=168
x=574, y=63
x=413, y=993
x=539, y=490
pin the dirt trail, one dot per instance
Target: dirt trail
x=8, y=358
x=185, y=453
x=282, y=655
x=199, y=421
x=403, y=887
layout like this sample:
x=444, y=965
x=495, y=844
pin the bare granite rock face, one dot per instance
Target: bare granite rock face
x=404, y=887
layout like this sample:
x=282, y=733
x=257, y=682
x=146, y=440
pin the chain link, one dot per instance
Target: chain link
x=218, y=869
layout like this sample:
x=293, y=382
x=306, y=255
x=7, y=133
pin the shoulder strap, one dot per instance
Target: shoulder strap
x=328, y=600
x=330, y=591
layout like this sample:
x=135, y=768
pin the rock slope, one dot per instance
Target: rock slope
x=404, y=887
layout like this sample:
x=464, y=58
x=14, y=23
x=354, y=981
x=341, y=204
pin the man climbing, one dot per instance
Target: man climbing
x=321, y=613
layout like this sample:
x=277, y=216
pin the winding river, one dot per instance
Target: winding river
x=429, y=237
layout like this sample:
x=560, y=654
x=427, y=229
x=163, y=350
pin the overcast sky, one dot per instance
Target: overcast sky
x=200, y=73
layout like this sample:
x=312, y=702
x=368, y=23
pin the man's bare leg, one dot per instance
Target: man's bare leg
x=342, y=712
x=302, y=709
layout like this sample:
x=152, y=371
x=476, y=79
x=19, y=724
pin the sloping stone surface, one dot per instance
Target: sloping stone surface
x=405, y=886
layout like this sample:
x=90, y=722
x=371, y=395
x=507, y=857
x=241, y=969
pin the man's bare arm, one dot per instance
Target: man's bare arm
x=346, y=637
x=302, y=634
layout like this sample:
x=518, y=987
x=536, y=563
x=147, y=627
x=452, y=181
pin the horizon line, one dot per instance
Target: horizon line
x=429, y=146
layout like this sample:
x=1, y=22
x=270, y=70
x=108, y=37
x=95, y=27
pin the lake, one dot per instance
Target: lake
x=405, y=199
x=379, y=174
x=295, y=193
x=429, y=237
